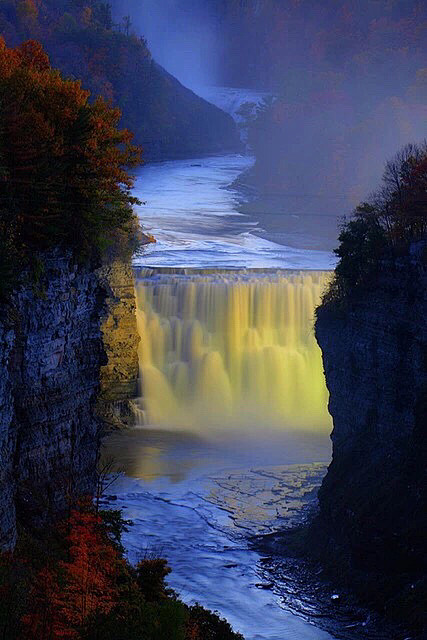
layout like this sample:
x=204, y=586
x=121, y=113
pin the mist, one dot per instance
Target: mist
x=182, y=36
x=349, y=82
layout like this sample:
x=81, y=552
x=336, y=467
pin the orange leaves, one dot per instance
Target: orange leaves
x=90, y=572
x=44, y=620
x=32, y=55
x=63, y=598
x=64, y=156
x=9, y=59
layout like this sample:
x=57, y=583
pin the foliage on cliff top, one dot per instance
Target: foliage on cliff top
x=385, y=226
x=84, y=42
x=75, y=584
x=80, y=37
x=64, y=177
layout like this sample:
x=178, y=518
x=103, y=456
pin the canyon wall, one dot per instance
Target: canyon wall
x=7, y=505
x=372, y=521
x=119, y=376
x=51, y=351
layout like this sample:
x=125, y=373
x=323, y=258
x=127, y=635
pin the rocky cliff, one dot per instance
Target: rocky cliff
x=7, y=505
x=51, y=351
x=119, y=376
x=372, y=521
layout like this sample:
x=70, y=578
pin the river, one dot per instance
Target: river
x=196, y=496
x=192, y=212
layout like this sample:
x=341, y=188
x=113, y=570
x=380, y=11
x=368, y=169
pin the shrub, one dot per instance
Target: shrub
x=207, y=625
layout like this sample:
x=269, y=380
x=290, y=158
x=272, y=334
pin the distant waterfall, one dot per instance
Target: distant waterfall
x=227, y=349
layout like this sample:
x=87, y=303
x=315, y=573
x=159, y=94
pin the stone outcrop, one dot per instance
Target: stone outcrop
x=119, y=376
x=50, y=354
x=68, y=368
x=372, y=521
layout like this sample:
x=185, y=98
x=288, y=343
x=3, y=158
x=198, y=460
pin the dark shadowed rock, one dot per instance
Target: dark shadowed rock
x=171, y=121
x=371, y=528
x=51, y=352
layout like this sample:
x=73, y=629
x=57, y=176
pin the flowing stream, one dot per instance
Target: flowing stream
x=233, y=436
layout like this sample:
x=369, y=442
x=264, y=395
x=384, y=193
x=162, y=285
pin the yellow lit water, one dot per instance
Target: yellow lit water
x=228, y=349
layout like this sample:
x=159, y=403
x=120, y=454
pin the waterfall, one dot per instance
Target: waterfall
x=225, y=349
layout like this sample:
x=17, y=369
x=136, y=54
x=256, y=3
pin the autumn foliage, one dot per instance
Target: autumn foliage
x=77, y=585
x=63, y=597
x=64, y=177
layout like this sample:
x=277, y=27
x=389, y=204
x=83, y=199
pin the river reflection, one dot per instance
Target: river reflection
x=151, y=454
x=174, y=456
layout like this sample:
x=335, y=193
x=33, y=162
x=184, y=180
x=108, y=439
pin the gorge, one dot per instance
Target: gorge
x=192, y=382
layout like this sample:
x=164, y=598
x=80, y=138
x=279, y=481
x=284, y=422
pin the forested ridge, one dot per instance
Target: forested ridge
x=286, y=39
x=84, y=43
x=64, y=167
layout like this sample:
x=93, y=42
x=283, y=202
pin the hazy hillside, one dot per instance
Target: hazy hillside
x=350, y=83
x=81, y=39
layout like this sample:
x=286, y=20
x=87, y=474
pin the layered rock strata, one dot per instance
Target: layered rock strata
x=119, y=376
x=50, y=355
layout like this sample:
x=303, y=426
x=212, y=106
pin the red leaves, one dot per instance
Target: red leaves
x=31, y=54
x=90, y=572
x=63, y=156
x=63, y=597
x=44, y=620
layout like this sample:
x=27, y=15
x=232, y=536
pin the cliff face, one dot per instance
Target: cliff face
x=69, y=365
x=50, y=354
x=373, y=499
x=7, y=505
x=119, y=376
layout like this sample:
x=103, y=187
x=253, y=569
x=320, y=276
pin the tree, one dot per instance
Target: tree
x=65, y=595
x=64, y=177
x=127, y=23
x=392, y=219
x=103, y=15
x=151, y=574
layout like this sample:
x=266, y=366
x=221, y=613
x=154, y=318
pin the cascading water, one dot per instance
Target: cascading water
x=224, y=349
